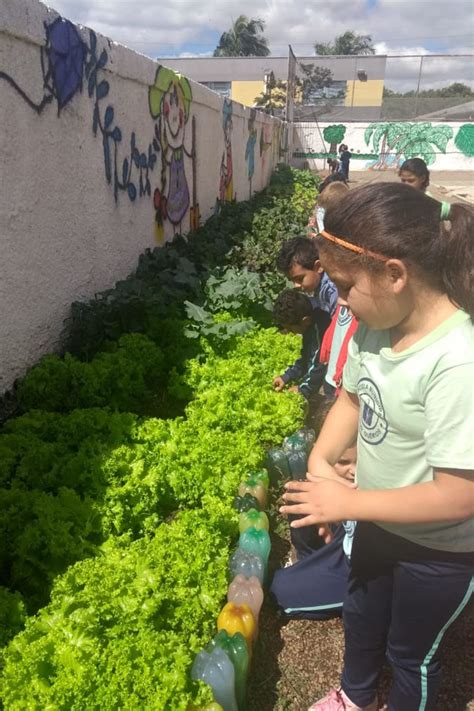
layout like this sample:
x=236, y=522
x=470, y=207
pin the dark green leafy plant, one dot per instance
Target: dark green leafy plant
x=244, y=234
x=124, y=377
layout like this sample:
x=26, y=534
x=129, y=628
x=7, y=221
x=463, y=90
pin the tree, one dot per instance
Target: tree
x=243, y=39
x=348, y=43
x=334, y=135
x=465, y=139
x=315, y=79
x=274, y=96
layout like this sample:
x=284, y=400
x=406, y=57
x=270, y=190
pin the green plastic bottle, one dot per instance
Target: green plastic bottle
x=235, y=646
x=255, y=488
x=262, y=476
x=258, y=543
x=252, y=517
x=294, y=443
x=298, y=461
x=277, y=465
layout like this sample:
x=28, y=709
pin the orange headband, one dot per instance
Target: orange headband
x=352, y=247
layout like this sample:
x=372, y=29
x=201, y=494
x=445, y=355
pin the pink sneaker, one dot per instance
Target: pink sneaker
x=337, y=700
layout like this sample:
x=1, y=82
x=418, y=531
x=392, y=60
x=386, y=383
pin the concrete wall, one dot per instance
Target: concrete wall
x=385, y=145
x=104, y=153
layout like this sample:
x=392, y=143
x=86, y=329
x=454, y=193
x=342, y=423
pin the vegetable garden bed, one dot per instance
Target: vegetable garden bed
x=118, y=473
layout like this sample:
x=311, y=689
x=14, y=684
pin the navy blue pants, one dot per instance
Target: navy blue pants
x=315, y=586
x=401, y=600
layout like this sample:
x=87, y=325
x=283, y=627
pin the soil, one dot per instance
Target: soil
x=297, y=661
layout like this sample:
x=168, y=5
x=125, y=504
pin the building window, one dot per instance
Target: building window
x=221, y=87
x=336, y=93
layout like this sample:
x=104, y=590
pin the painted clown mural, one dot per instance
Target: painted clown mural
x=170, y=100
x=226, y=179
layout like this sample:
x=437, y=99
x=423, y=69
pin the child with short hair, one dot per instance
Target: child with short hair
x=294, y=313
x=406, y=273
x=299, y=261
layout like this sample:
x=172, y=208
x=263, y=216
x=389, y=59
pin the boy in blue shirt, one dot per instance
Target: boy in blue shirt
x=293, y=312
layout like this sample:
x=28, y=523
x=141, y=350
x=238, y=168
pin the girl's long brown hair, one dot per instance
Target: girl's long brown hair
x=403, y=223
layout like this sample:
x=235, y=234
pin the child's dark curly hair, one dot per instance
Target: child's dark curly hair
x=299, y=250
x=291, y=307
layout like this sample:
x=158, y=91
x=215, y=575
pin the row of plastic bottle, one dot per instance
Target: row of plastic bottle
x=224, y=663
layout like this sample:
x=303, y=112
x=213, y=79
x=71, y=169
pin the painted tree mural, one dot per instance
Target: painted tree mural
x=397, y=141
x=333, y=135
x=465, y=139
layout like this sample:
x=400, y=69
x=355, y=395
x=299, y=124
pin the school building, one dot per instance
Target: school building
x=355, y=92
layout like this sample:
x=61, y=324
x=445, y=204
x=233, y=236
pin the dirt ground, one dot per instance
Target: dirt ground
x=451, y=186
x=297, y=661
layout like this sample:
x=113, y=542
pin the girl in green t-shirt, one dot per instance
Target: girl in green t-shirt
x=405, y=270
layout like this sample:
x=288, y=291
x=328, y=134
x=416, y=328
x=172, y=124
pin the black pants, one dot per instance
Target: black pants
x=401, y=600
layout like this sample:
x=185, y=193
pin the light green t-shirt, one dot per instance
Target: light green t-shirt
x=416, y=414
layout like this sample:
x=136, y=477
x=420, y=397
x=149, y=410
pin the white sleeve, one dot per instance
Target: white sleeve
x=449, y=411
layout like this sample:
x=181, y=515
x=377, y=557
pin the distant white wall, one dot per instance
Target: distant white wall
x=384, y=145
x=103, y=154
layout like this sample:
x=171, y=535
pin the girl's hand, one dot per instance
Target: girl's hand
x=317, y=478
x=324, y=502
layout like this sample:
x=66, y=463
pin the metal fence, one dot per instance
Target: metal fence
x=431, y=87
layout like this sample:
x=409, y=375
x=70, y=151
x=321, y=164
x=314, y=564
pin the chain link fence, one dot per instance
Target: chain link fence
x=392, y=88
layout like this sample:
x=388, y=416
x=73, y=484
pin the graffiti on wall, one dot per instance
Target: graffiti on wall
x=250, y=148
x=67, y=62
x=266, y=139
x=396, y=141
x=169, y=101
x=226, y=174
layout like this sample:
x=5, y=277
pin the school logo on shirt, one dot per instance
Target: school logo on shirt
x=372, y=423
x=344, y=317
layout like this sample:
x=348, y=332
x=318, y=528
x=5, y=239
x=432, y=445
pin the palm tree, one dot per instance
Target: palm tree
x=243, y=39
x=406, y=140
x=348, y=43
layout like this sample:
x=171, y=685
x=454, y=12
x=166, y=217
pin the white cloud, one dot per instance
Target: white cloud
x=395, y=25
